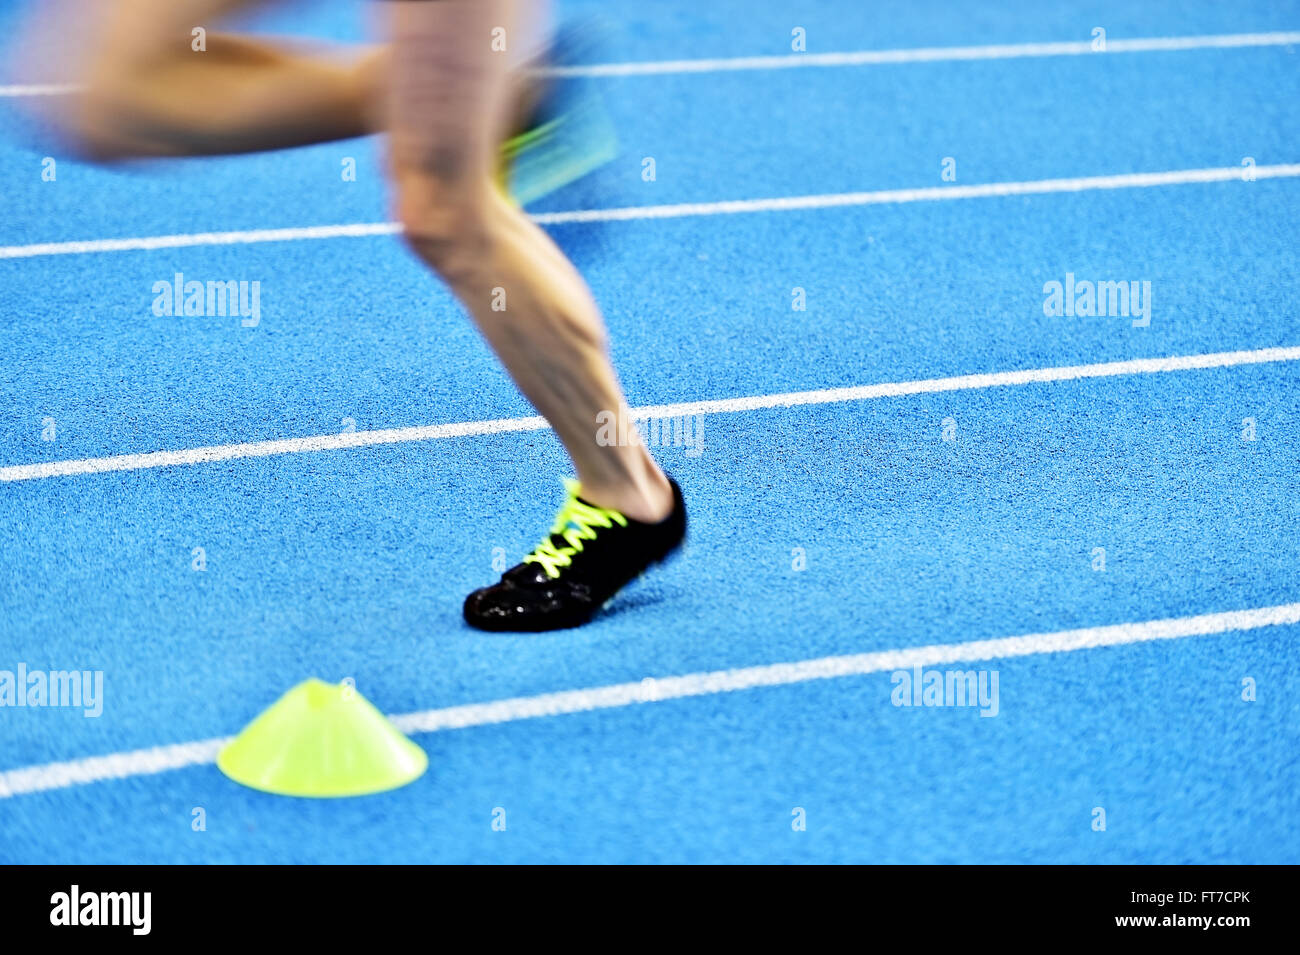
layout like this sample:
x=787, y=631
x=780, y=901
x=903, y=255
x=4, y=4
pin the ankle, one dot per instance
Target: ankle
x=647, y=498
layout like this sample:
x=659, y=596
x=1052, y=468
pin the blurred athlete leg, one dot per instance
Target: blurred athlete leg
x=450, y=96
x=145, y=90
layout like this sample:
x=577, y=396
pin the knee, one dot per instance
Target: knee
x=448, y=223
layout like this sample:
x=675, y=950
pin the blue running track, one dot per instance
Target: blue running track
x=927, y=514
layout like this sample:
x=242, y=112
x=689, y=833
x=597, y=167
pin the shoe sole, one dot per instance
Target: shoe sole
x=548, y=626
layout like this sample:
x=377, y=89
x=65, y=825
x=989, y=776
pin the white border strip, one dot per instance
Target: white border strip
x=145, y=762
x=1177, y=177
x=359, y=439
x=1003, y=51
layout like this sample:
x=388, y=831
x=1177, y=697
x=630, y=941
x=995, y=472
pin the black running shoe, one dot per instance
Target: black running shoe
x=590, y=555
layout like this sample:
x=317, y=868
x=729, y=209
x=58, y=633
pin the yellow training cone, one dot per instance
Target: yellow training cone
x=322, y=739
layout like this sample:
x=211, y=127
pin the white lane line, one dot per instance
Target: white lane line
x=140, y=762
x=38, y=89
x=257, y=449
x=1004, y=51
x=145, y=762
x=1140, y=180
x=149, y=243
x=358, y=439
x=1000, y=51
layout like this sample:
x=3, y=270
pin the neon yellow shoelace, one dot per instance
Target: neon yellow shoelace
x=512, y=147
x=576, y=522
